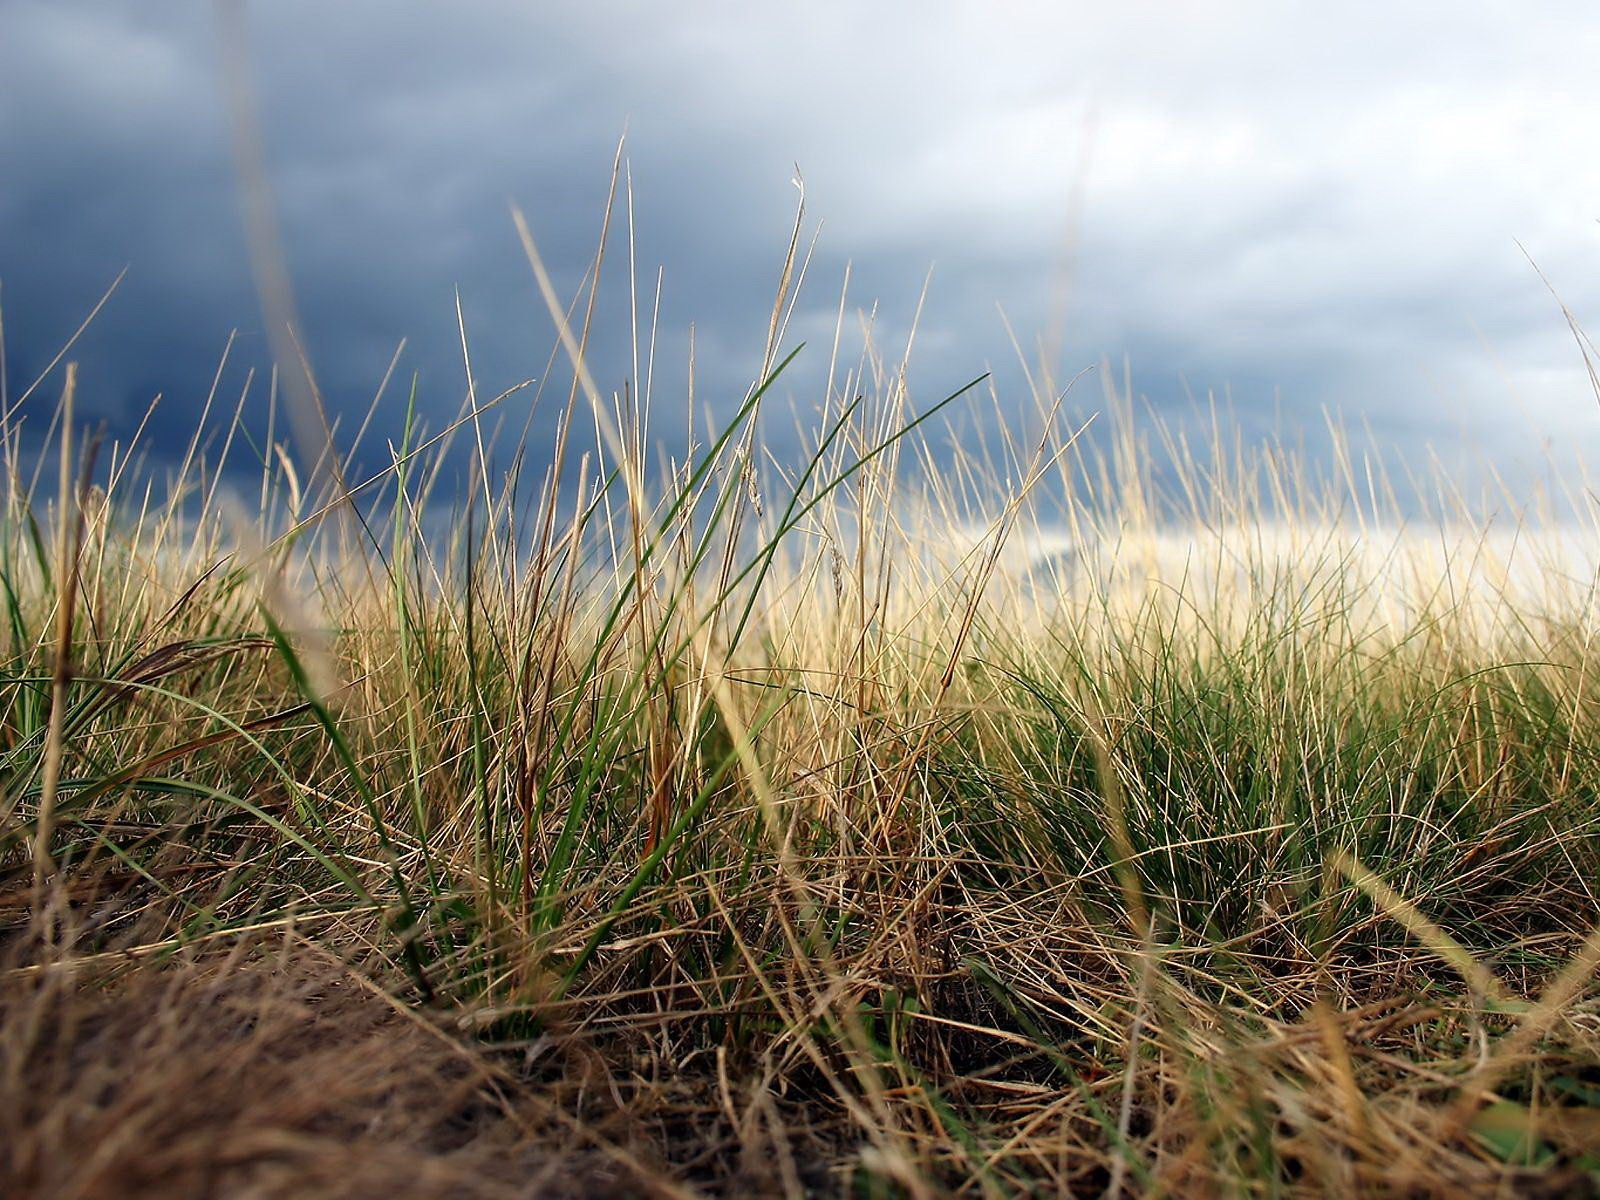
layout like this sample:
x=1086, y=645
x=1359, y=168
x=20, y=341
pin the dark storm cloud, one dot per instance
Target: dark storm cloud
x=1289, y=212
x=394, y=151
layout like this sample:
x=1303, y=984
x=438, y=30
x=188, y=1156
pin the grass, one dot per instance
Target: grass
x=1024, y=821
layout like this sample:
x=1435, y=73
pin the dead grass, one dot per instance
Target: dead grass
x=269, y=1071
x=1031, y=821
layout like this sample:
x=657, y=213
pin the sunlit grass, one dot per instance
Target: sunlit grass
x=1089, y=814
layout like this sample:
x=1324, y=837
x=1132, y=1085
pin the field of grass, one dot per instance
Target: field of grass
x=1078, y=817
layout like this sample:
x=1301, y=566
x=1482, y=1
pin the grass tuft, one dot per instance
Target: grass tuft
x=1092, y=813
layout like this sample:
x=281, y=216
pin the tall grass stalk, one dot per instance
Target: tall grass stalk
x=1172, y=818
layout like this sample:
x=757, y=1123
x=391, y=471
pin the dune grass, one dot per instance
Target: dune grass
x=1085, y=815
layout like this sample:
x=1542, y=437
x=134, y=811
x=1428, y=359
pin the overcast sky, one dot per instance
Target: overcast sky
x=1299, y=206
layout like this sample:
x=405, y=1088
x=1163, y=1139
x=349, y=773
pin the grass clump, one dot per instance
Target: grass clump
x=831, y=827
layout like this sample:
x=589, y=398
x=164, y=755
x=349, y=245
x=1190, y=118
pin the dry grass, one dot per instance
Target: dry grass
x=275, y=1073
x=1052, y=822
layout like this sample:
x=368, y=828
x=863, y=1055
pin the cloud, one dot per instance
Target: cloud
x=1302, y=208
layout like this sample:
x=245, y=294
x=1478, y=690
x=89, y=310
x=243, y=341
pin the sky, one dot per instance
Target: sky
x=1373, y=209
